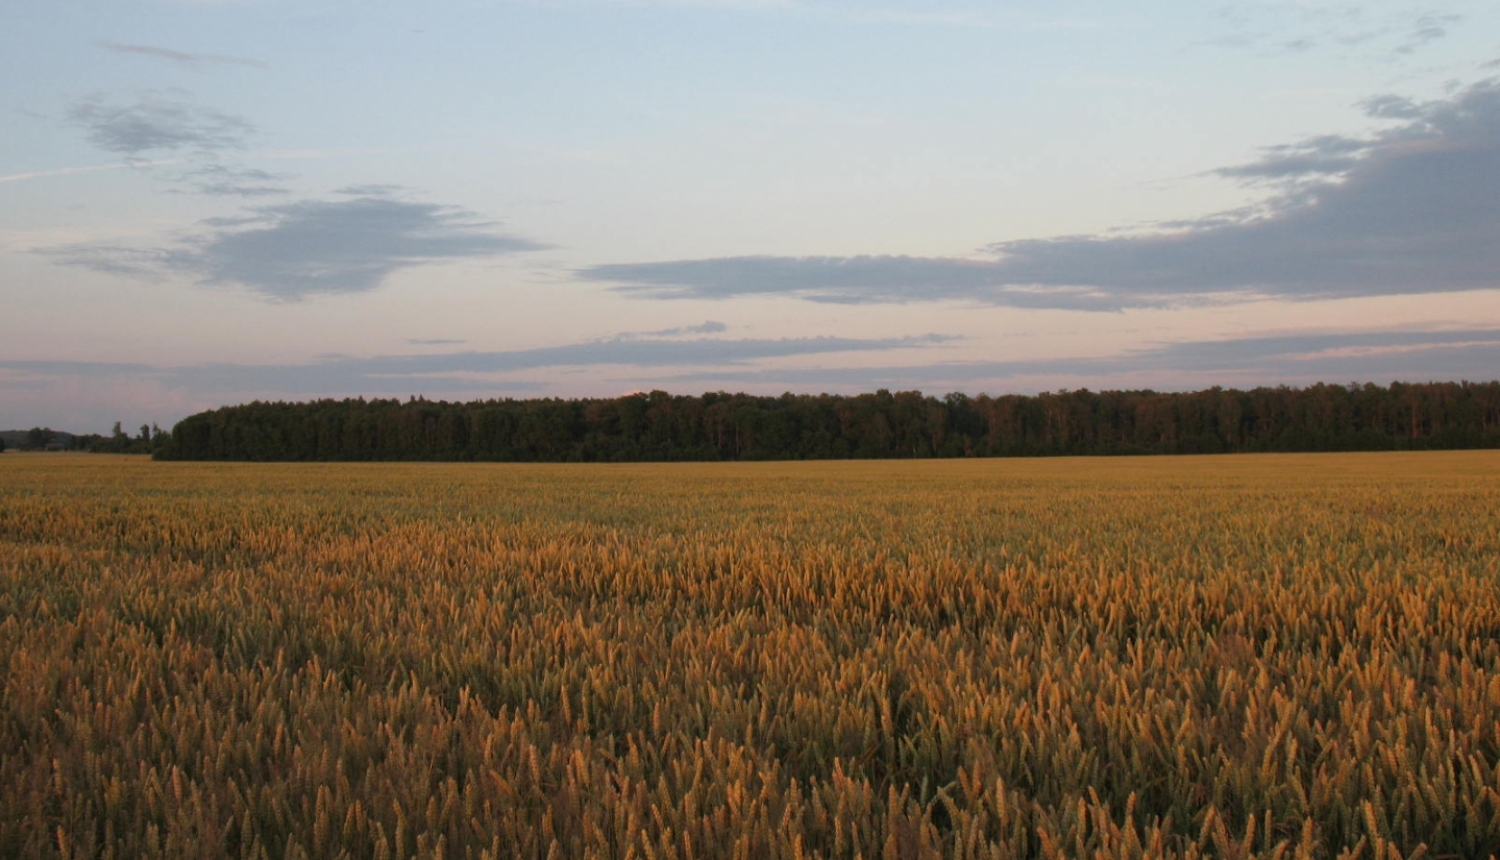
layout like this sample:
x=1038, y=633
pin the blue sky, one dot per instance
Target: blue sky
x=211, y=202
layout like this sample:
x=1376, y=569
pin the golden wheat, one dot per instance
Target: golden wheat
x=1256, y=656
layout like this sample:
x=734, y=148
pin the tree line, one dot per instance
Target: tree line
x=149, y=440
x=720, y=426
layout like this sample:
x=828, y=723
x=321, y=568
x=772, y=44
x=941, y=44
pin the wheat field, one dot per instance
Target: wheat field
x=1250, y=656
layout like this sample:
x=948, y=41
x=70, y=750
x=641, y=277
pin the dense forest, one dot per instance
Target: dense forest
x=720, y=426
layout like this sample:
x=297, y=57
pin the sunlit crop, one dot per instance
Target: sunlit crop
x=1249, y=656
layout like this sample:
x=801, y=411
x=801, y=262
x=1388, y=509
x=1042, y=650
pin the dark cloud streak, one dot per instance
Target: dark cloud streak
x=851, y=280
x=1322, y=156
x=192, y=61
x=1406, y=211
x=632, y=352
x=1377, y=356
x=291, y=251
x=310, y=247
x=705, y=327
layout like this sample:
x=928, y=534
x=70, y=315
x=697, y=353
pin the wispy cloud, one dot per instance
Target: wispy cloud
x=220, y=180
x=1428, y=28
x=706, y=327
x=187, y=60
x=461, y=371
x=1331, y=356
x=373, y=189
x=1408, y=210
x=291, y=251
x=158, y=122
x=1379, y=32
x=145, y=127
x=109, y=259
x=88, y=168
x=1317, y=157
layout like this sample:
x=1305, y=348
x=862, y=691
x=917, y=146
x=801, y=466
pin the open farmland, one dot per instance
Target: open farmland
x=1253, y=656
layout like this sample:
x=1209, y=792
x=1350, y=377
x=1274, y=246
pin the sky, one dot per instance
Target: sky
x=207, y=202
